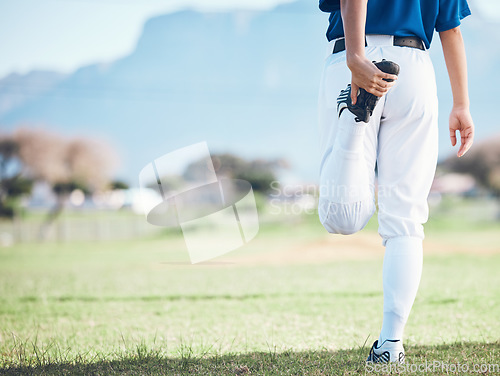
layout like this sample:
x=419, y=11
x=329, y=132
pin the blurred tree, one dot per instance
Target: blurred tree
x=65, y=164
x=482, y=162
x=259, y=173
x=13, y=185
x=54, y=159
x=118, y=184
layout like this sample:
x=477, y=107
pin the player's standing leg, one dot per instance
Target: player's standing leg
x=407, y=157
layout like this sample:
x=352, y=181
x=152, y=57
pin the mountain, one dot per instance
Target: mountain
x=16, y=89
x=244, y=81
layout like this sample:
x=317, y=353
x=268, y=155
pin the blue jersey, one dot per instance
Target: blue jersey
x=402, y=18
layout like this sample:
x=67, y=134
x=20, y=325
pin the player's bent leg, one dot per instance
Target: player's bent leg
x=349, y=150
x=345, y=219
x=347, y=177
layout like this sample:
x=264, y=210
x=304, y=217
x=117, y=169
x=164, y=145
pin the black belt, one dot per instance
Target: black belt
x=413, y=42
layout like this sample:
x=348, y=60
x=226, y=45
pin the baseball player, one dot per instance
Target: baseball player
x=378, y=115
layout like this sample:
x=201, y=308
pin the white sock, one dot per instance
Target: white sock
x=401, y=276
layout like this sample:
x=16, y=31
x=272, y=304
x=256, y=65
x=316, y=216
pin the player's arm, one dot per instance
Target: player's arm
x=456, y=63
x=364, y=73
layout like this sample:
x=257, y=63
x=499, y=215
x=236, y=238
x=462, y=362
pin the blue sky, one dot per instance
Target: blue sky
x=63, y=35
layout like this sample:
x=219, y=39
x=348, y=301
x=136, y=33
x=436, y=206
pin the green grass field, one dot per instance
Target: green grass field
x=293, y=301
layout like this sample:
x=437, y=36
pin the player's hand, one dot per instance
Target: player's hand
x=367, y=76
x=461, y=120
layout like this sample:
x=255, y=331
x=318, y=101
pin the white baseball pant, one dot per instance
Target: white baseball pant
x=400, y=142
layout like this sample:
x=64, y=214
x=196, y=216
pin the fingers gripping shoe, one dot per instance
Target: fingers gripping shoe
x=390, y=351
x=365, y=102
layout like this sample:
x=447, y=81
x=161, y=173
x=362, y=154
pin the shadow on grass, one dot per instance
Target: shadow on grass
x=473, y=358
